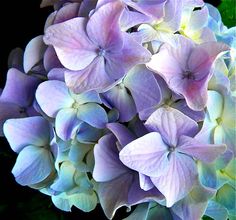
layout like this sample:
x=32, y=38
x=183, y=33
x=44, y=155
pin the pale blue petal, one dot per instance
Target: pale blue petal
x=93, y=114
x=65, y=181
x=33, y=165
x=216, y=211
x=67, y=123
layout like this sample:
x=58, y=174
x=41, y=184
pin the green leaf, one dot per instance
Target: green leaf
x=227, y=10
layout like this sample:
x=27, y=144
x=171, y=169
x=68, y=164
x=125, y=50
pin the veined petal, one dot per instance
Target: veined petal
x=33, y=165
x=52, y=96
x=73, y=47
x=93, y=77
x=179, y=178
x=205, y=152
x=103, y=26
x=171, y=123
x=143, y=87
x=147, y=155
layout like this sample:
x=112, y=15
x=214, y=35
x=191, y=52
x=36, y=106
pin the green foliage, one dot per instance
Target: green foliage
x=227, y=10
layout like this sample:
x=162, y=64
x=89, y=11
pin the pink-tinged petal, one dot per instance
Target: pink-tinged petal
x=122, y=133
x=67, y=12
x=27, y=131
x=143, y=87
x=145, y=182
x=33, y=165
x=93, y=114
x=133, y=53
x=52, y=96
x=107, y=164
x=171, y=123
x=179, y=178
x=103, y=26
x=195, y=94
x=147, y=155
x=72, y=45
x=203, y=56
x=119, y=98
x=114, y=194
x=9, y=110
x=204, y=152
x=34, y=53
x=92, y=77
x=154, y=9
x=165, y=65
x=172, y=58
x=50, y=59
x=67, y=123
x=19, y=88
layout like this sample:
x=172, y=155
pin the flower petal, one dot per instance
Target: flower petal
x=205, y=152
x=119, y=98
x=114, y=194
x=52, y=96
x=27, y=131
x=67, y=123
x=143, y=87
x=34, y=53
x=92, y=77
x=122, y=133
x=103, y=26
x=171, y=123
x=33, y=165
x=107, y=164
x=179, y=178
x=72, y=45
x=147, y=155
x=65, y=182
x=7, y=111
x=93, y=114
x=19, y=88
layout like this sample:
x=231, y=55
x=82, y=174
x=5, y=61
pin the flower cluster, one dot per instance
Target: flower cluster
x=127, y=102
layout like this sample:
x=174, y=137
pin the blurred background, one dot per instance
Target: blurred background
x=22, y=20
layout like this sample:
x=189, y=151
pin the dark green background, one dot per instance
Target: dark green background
x=21, y=20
